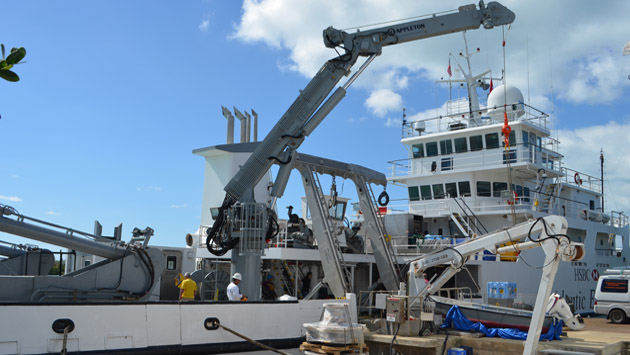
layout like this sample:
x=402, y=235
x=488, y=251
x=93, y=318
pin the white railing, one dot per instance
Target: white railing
x=477, y=160
x=458, y=112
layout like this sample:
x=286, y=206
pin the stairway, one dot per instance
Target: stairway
x=547, y=201
x=461, y=224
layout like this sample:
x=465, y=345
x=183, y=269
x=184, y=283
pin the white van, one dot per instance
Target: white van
x=612, y=297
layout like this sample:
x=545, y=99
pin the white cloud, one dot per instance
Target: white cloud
x=581, y=149
x=574, y=49
x=53, y=213
x=205, y=22
x=383, y=101
x=183, y=205
x=10, y=198
x=393, y=122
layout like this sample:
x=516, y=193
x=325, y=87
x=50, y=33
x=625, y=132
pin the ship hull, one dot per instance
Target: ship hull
x=154, y=327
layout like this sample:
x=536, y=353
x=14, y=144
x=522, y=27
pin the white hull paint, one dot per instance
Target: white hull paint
x=145, y=326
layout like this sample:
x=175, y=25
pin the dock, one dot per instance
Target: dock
x=599, y=337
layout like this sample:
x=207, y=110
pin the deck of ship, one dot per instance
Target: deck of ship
x=599, y=336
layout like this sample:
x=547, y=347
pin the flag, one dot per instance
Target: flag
x=450, y=73
x=490, y=86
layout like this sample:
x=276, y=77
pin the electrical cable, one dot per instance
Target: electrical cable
x=391, y=345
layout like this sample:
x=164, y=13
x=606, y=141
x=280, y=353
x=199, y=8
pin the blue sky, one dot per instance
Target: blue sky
x=115, y=95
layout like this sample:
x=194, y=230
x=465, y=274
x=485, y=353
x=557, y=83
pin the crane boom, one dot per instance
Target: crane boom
x=309, y=109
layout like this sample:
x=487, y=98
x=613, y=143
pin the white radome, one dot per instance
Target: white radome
x=506, y=95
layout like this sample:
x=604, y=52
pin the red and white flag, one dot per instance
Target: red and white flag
x=450, y=73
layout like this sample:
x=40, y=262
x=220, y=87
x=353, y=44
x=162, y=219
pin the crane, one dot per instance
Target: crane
x=309, y=109
x=553, y=240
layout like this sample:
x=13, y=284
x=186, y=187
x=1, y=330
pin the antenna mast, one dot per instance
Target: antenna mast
x=601, y=159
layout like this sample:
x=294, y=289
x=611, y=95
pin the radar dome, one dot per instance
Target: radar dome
x=506, y=95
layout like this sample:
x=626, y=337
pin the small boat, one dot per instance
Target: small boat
x=488, y=315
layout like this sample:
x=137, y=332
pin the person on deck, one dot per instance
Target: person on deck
x=233, y=292
x=188, y=289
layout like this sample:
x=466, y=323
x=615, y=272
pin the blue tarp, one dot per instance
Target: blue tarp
x=455, y=319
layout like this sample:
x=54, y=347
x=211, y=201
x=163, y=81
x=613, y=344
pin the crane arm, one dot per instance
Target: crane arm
x=552, y=229
x=309, y=109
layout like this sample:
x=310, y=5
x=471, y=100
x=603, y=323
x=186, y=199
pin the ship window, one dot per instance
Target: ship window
x=526, y=193
x=461, y=146
x=512, y=139
x=425, y=192
x=512, y=156
x=446, y=147
x=483, y=188
x=432, y=149
x=451, y=189
x=418, y=150
x=532, y=139
x=518, y=189
x=414, y=193
x=171, y=262
x=591, y=205
x=525, y=139
x=497, y=187
x=447, y=164
x=539, y=144
x=464, y=188
x=438, y=191
x=476, y=143
x=492, y=140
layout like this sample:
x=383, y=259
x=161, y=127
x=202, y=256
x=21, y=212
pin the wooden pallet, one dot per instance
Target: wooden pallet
x=335, y=350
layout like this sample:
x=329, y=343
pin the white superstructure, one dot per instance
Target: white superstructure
x=463, y=181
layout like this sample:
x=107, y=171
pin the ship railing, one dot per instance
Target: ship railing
x=457, y=293
x=458, y=117
x=476, y=160
x=579, y=179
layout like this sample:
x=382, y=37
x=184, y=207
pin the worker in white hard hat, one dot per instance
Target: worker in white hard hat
x=233, y=293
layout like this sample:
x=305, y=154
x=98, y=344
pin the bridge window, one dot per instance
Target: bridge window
x=451, y=189
x=483, y=188
x=525, y=139
x=497, y=187
x=446, y=147
x=511, y=156
x=432, y=149
x=438, y=191
x=492, y=140
x=418, y=150
x=461, y=145
x=447, y=164
x=464, y=188
x=512, y=139
x=476, y=143
x=414, y=193
x=425, y=192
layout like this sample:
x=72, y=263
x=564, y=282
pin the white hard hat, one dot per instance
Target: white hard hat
x=237, y=276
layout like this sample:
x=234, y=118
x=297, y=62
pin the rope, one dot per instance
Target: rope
x=261, y=345
x=64, y=349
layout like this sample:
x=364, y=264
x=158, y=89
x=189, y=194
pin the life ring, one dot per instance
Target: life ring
x=383, y=199
x=577, y=179
x=509, y=202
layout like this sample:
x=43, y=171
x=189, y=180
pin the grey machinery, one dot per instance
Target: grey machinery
x=240, y=219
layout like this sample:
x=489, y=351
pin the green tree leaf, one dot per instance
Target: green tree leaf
x=16, y=55
x=8, y=75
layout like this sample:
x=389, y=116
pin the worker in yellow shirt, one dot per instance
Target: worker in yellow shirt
x=188, y=289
